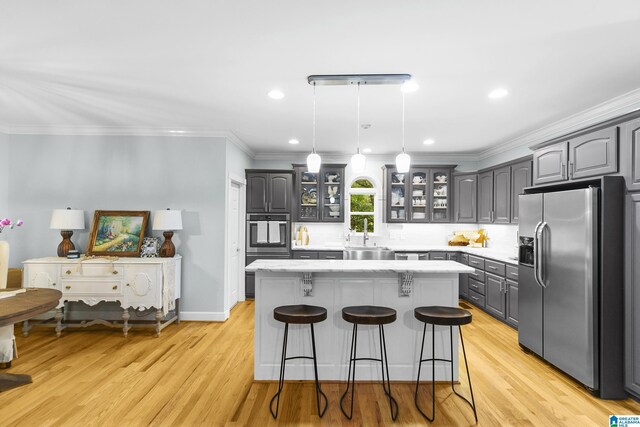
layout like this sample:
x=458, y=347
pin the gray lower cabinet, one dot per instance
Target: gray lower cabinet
x=520, y=179
x=632, y=294
x=485, y=197
x=464, y=278
x=465, y=193
x=502, y=195
x=438, y=256
x=317, y=254
x=512, y=303
x=594, y=154
x=550, y=163
x=305, y=255
x=496, y=302
x=630, y=154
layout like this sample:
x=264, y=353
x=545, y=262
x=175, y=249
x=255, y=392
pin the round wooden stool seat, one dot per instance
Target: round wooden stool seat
x=369, y=315
x=300, y=314
x=449, y=316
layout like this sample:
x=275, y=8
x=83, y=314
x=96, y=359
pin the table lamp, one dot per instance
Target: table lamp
x=66, y=220
x=168, y=221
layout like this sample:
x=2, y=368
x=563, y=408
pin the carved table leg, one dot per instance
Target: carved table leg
x=58, y=318
x=25, y=328
x=158, y=322
x=125, y=319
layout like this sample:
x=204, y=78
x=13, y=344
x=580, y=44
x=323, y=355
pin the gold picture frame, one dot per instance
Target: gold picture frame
x=117, y=233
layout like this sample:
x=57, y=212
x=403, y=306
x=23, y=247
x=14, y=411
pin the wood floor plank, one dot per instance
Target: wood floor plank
x=202, y=374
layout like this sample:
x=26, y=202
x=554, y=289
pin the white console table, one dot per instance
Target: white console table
x=135, y=283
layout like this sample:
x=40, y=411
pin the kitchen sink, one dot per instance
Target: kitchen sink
x=368, y=252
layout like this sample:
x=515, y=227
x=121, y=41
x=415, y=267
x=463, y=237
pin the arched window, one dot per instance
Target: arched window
x=362, y=204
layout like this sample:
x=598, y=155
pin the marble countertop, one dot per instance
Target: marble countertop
x=353, y=266
x=492, y=253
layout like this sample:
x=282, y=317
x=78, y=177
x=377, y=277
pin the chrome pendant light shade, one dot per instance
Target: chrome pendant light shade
x=358, y=160
x=314, y=160
x=403, y=160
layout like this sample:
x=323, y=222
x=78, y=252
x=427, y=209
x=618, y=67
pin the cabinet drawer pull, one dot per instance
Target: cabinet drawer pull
x=67, y=272
x=128, y=284
x=53, y=284
x=67, y=287
x=330, y=257
x=305, y=256
x=114, y=272
x=474, y=298
x=492, y=267
x=114, y=287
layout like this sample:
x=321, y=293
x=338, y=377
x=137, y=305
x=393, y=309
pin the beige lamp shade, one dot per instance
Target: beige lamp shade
x=67, y=219
x=167, y=220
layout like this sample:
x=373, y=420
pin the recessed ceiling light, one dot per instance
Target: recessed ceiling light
x=276, y=94
x=428, y=141
x=498, y=93
x=409, y=86
x=366, y=150
x=294, y=141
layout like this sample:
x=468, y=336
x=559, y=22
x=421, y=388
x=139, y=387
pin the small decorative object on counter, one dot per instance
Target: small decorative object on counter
x=73, y=254
x=471, y=238
x=302, y=236
x=150, y=247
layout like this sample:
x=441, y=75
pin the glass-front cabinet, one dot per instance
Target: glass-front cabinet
x=421, y=195
x=319, y=196
x=439, y=192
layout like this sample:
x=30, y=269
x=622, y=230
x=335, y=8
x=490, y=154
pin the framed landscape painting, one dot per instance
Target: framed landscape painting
x=117, y=233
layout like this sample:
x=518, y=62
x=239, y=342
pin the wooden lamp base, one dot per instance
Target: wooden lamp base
x=66, y=245
x=167, y=250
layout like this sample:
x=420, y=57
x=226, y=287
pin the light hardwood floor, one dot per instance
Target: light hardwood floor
x=201, y=374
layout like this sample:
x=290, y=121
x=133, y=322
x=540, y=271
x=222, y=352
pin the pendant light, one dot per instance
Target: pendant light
x=313, y=159
x=403, y=160
x=358, y=161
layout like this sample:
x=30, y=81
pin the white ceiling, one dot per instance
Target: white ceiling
x=205, y=66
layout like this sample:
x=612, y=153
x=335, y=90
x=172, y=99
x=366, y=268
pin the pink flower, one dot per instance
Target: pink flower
x=5, y=222
x=19, y=223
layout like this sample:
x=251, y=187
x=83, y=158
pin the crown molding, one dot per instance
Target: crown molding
x=610, y=109
x=60, y=130
x=618, y=106
x=335, y=157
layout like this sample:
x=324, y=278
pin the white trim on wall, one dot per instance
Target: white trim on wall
x=204, y=316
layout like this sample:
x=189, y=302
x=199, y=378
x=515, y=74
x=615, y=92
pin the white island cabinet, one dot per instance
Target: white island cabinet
x=334, y=284
x=134, y=283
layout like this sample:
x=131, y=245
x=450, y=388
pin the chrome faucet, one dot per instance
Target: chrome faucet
x=365, y=234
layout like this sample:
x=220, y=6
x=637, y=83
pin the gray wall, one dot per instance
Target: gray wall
x=128, y=173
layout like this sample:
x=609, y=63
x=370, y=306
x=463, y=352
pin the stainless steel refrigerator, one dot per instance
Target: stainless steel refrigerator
x=571, y=281
x=558, y=280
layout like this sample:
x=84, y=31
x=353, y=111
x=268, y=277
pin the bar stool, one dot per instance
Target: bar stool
x=446, y=316
x=298, y=315
x=368, y=315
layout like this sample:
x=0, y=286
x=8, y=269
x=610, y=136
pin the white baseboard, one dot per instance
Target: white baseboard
x=204, y=316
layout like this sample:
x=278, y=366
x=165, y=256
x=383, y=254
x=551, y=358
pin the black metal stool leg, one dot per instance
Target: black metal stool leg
x=385, y=365
x=315, y=369
x=424, y=333
x=281, y=379
x=473, y=402
x=352, y=384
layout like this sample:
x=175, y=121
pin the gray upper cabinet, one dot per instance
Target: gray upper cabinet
x=594, y=154
x=632, y=294
x=257, y=187
x=630, y=154
x=465, y=193
x=269, y=192
x=520, y=179
x=485, y=197
x=502, y=195
x=550, y=163
x=279, y=191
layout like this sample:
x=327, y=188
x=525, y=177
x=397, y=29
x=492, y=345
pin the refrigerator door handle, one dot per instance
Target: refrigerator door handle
x=540, y=269
x=536, y=247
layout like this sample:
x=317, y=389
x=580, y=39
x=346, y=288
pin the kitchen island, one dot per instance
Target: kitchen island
x=334, y=284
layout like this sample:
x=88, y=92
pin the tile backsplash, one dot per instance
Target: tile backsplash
x=501, y=237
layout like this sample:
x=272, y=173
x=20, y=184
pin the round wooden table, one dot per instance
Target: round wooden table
x=19, y=308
